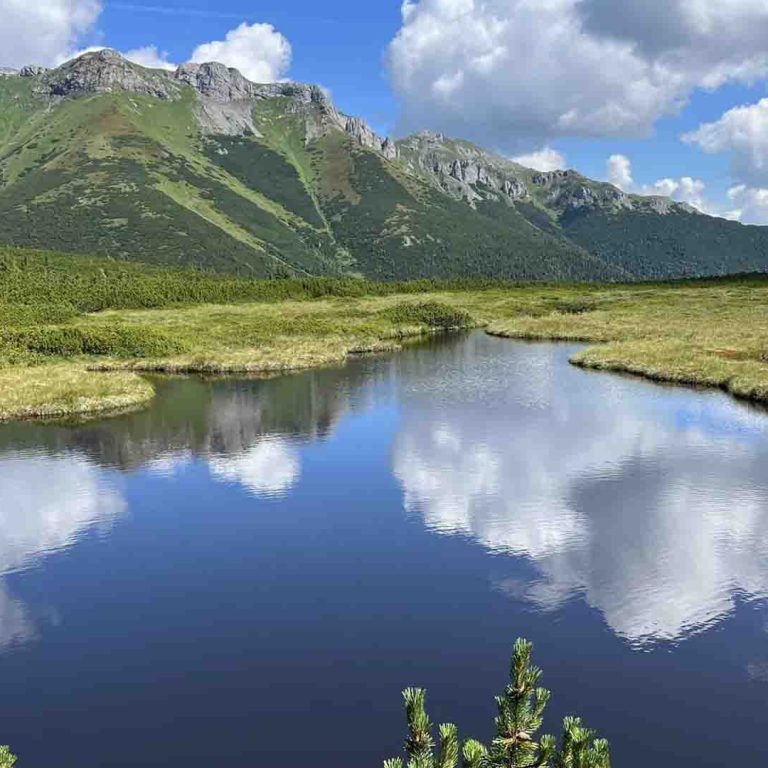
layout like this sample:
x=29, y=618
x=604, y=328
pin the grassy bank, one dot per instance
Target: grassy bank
x=77, y=333
x=707, y=333
x=67, y=389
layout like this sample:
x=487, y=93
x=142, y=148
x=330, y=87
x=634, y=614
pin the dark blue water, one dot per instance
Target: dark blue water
x=247, y=573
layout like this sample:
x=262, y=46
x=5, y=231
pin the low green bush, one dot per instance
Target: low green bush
x=20, y=315
x=113, y=341
x=433, y=314
x=91, y=284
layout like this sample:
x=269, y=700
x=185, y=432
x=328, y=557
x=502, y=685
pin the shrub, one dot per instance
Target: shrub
x=20, y=315
x=7, y=760
x=114, y=341
x=433, y=314
x=91, y=284
x=520, y=712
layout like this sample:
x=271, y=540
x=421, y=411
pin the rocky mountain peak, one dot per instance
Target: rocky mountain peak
x=216, y=81
x=430, y=137
x=105, y=71
x=226, y=96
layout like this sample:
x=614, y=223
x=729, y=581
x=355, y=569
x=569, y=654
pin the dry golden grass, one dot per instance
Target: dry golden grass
x=65, y=389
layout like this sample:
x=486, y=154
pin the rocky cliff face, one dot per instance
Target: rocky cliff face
x=360, y=131
x=464, y=170
x=225, y=96
x=473, y=174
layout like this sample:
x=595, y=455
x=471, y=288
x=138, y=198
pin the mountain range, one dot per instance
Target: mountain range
x=202, y=167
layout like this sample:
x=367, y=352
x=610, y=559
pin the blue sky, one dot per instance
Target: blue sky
x=338, y=43
x=609, y=87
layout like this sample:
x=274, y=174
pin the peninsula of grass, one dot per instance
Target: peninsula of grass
x=78, y=334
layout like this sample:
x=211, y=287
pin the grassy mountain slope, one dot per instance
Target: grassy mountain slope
x=125, y=175
x=203, y=168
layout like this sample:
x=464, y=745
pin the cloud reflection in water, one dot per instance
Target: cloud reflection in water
x=268, y=468
x=650, y=502
x=48, y=503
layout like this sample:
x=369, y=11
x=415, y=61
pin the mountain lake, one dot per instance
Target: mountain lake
x=247, y=573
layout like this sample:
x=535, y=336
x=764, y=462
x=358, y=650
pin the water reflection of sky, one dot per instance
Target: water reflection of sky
x=48, y=503
x=650, y=502
x=396, y=521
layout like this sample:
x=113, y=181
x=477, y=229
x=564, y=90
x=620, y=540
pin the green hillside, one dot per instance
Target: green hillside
x=202, y=168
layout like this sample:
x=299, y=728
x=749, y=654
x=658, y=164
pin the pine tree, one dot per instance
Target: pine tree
x=7, y=760
x=520, y=710
x=520, y=714
x=419, y=746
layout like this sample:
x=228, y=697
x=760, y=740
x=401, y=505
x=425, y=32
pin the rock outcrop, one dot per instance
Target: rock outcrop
x=216, y=81
x=226, y=97
x=464, y=170
x=359, y=130
x=470, y=173
x=105, y=71
x=32, y=70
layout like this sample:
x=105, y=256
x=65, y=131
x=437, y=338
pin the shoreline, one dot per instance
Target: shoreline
x=140, y=392
x=711, y=336
x=137, y=391
x=601, y=356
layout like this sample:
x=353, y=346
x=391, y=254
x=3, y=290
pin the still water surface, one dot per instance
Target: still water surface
x=247, y=573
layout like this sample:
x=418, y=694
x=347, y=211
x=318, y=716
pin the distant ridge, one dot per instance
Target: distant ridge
x=200, y=166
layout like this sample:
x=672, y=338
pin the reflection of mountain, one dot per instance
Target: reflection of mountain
x=651, y=502
x=47, y=504
x=246, y=430
x=204, y=417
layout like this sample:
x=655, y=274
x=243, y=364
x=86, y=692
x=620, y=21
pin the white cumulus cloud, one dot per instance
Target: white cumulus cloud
x=742, y=133
x=544, y=160
x=750, y=204
x=618, y=171
x=507, y=70
x=43, y=31
x=150, y=56
x=259, y=51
